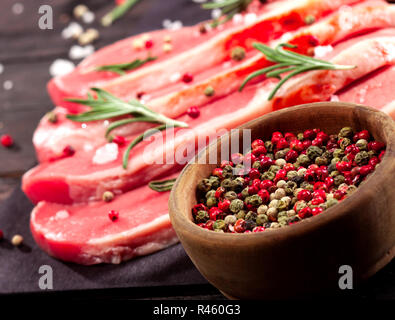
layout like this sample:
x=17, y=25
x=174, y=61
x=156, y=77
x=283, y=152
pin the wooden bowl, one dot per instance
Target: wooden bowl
x=304, y=258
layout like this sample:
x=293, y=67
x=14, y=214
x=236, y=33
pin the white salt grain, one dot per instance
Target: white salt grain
x=79, y=52
x=88, y=17
x=73, y=30
x=17, y=8
x=8, y=84
x=106, y=154
x=61, y=67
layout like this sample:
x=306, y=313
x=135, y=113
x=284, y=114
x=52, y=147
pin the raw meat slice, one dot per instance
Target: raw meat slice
x=76, y=179
x=85, y=234
x=283, y=16
x=49, y=141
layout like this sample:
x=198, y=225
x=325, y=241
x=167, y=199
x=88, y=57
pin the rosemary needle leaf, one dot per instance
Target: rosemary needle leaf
x=121, y=68
x=162, y=185
x=289, y=63
x=228, y=9
x=117, y=12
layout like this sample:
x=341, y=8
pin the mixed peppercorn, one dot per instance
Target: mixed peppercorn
x=290, y=178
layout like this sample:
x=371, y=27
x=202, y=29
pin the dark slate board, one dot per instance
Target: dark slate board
x=19, y=265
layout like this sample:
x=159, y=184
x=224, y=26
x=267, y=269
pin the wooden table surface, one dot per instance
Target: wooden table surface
x=26, y=52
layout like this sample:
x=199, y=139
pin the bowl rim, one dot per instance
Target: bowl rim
x=305, y=226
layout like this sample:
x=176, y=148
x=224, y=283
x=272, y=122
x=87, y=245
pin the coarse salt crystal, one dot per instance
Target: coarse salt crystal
x=106, y=154
x=17, y=8
x=237, y=18
x=62, y=214
x=250, y=18
x=334, y=98
x=175, y=77
x=216, y=13
x=88, y=17
x=8, y=84
x=73, y=30
x=79, y=52
x=61, y=67
x=322, y=51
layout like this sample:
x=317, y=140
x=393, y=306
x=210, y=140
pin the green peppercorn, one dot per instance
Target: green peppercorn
x=230, y=219
x=209, y=91
x=321, y=161
x=291, y=213
x=269, y=146
x=245, y=193
x=275, y=225
x=226, y=183
x=254, y=200
x=257, y=165
x=290, y=187
x=204, y=185
x=309, y=19
x=294, y=219
x=108, y=196
x=52, y=117
x=362, y=158
x=300, y=136
x=344, y=143
x=268, y=175
x=362, y=144
x=272, y=214
x=270, y=155
x=291, y=174
x=346, y=132
x=230, y=195
x=227, y=172
x=219, y=225
x=202, y=216
x=238, y=53
x=237, y=184
x=251, y=215
x=351, y=189
x=211, y=202
x=314, y=152
x=274, y=168
x=261, y=219
x=331, y=202
x=338, y=153
x=372, y=153
x=300, y=205
x=282, y=214
x=283, y=221
x=303, y=160
x=236, y=205
x=250, y=224
x=241, y=214
x=210, y=194
x=262, y=209
x=281, y=153
x=215, y=181
x=338, y=180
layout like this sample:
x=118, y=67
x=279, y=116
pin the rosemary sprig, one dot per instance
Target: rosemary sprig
x=288, y=62
x=162, y=185
x=228, y=9
x=121, y=68
x=118, y=12
x=106, y=106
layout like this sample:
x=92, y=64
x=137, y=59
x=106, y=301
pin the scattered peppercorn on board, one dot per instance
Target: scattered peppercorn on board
x=23, y=103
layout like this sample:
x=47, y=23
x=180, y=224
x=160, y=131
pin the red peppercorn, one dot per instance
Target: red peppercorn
x=119, y=140
x=289, y=167
x=291, y=156
x=319, y=193
x=219, y=192
x=193, y=112
x=309, y=134
x=339, y=194
x=305, y=213
x=209, y=225
x=252, y=189
x=330, y=146
x=323, y=136
x=266, y=162
x=289, y=136
x=320, y=186
x=280, y=175
x=225, y=163
x=148, y=44
x=224, y=205
x=329, y=181
x=198, y=207
x=282, y=144
x=265, y=195
x=309, y=175
x=6, y=140
x=375, y=146
x=240, y=226
x=113, y=215
x=296, y=145
x=187, y=77
x=217, y=172
x=317, y=142
x=317, y=200
x=364, y=134
x=266, y=184
x=214, y=213
x=306, y=144
x=317, y=210
x=68, y=151
x=202, y=225
x=258, y=229
x=276, y=136
x=140, y=94
x=259, y=150
x=373, y=161
x=249, y=158
x=343, y=166
x=305, y=195
x=381, y=155
x=365, y=170
x=257, y=143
